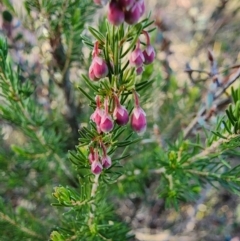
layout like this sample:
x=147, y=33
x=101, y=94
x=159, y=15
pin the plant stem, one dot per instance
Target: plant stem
x=93, y=194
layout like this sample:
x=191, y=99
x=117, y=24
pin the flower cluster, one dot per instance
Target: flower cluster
x=104, y=123
x=129, y=11
x=139, y=57
x=109, y=110
x=98, y=162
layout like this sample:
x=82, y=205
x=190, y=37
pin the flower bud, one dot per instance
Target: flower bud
x=120, y=113
x=149, y=54
x=138, y=120
x=97, y=115
x=96, y=167
x=138, y=117
x=98, y=69
x=106, y=161
x=115, y=13
x=133, y=15
x=137, y=57
x=106, y=124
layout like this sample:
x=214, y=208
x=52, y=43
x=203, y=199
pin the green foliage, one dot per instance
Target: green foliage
x=34, y=160
x=38, y=161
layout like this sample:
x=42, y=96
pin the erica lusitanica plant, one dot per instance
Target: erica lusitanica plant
x=117, y=61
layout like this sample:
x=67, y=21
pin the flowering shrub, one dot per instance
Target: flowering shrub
x=118, y=78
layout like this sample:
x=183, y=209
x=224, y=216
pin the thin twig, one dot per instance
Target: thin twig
x=6, y=218
x=222, y=90
x=63, y=62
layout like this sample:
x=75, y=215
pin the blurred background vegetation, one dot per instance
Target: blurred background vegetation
x=45, y=43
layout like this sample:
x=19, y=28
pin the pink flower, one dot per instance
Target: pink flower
x=98, y=69
x=97, y=114
x=138, y=120
x=137, y=57
x=115, y=13
x=96, y=167
x=106, y=124
x=120, y=113
x=106, y=161
x=133, y=15
x=138, y=117
x=149, y=52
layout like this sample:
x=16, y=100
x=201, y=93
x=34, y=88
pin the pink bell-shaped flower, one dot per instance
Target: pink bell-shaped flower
x=137, y=57
x=106, y=124
x=115, y=13
x=138, y=117
x=98, y=68
x=106, y=160
x=133, y=15
x=96, y=167
x=138, y=120
x=97, y=114
x=149, y=52
x=120, y=113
